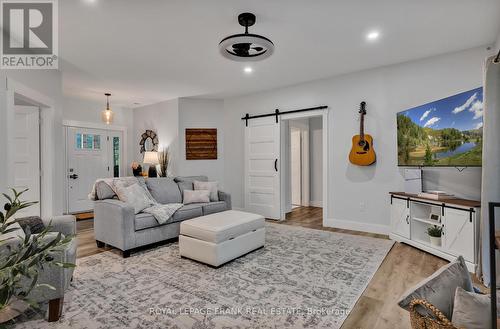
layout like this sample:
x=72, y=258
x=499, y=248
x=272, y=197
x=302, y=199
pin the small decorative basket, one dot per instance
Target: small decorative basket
x=419, y=321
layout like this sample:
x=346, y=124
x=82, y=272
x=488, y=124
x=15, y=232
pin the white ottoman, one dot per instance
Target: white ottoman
x=218, y=238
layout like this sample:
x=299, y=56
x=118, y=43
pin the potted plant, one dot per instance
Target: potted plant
x=435, y=233
x=21, y=262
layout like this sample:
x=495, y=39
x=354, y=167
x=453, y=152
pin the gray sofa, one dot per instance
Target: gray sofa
x=115, y=223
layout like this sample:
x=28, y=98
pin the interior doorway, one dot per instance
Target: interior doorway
x=91, y=154
x=303, y=167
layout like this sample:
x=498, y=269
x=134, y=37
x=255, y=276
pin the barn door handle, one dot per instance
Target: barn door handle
x=408, y=219
x=276, y=165
x=74, y=176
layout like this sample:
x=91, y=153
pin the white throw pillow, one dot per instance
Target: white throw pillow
x=134, y=195
x=211, y=186
x=196, y=196
x=471, y=310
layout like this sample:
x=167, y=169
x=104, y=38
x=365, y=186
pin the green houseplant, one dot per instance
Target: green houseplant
x=435, y=233
x=22, y=258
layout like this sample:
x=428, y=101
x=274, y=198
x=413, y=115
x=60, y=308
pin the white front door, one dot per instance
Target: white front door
x=87, y=160
x=262, y=163
x=27, y=157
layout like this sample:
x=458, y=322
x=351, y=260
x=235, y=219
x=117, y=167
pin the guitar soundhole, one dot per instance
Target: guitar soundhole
x=361, y=143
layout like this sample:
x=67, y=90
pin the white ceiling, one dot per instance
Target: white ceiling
x=153, y=50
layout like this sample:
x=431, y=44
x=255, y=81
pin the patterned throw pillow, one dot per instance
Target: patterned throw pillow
x=196, y=196
x=211, y=186
x=136, y=196
x=33, y=223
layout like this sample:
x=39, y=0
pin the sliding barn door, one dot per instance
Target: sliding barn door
x=262, y=164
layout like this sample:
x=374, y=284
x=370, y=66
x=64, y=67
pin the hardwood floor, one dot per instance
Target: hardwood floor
x=403, y=267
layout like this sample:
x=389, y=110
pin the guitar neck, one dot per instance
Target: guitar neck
x=362, y=127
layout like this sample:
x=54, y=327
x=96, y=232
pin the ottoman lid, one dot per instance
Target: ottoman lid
x=222, y=226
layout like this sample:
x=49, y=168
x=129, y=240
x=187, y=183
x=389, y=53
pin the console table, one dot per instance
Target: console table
x=458, y=218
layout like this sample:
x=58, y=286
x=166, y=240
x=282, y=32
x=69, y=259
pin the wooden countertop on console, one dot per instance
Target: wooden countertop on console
x=458, y=202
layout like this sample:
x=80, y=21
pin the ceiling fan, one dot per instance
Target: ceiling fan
x=246, y=46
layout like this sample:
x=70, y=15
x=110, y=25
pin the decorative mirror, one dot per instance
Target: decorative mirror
x=149, y=142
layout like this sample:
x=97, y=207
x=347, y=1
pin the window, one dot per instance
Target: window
x=116, y=156
x=87, y=142
x=78, y=141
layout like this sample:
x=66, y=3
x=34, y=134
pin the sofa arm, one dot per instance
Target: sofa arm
x=226, y=197
x=62, y=224
x=57, y=277
x=114, y=223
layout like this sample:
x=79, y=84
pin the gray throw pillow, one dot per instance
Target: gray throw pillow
x=135, y=196
x=211, y=186
x=471, y=310
x=439, y=288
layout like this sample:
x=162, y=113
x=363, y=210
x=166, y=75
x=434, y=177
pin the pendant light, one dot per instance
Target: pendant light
x=107, y=115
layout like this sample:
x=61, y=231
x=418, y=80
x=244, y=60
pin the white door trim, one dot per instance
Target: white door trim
x=326, y=143
x=15, y=89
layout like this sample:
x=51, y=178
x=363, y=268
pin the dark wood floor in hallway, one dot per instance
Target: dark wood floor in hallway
x=403, y=267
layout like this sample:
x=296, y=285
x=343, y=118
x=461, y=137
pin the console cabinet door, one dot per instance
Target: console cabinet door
x=400, y=218
x=458, y=238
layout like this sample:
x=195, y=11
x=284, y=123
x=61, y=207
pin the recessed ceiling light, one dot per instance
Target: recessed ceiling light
x=248, y=69
x=373, y=35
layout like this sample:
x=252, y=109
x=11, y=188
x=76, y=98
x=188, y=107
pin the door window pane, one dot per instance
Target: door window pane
x=78, y=141
x=97, y=142
x=116, y=156
x=90, y=141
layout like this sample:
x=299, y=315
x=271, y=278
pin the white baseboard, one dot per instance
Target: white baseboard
x=356, y=226
x=316, y=204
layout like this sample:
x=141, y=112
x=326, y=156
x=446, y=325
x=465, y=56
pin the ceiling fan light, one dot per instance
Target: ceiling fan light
x=107, y=115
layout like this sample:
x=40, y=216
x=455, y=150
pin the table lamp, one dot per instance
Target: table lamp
x=151, y=158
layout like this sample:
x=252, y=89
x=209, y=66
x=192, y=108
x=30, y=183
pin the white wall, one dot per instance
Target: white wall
x=202, y=113
x=358, y=194
x=87, y=111
x=49, y=84
x=163, y=118
x=316, y=160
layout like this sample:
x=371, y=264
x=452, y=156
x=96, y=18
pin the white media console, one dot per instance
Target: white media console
x=459, y=219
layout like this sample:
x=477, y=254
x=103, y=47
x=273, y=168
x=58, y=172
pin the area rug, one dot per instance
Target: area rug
x=303, y=278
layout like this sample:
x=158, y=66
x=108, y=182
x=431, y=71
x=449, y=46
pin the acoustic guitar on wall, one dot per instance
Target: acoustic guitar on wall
x=362, y=152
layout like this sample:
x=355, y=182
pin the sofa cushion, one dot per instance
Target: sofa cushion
x=136, y=196
x=32, y=223
x=198, y=196
x=211, y=186
x=188, y=211
x=439, y=288
x=144, y=221
x=471, y=310
x=186, y=182
x=104, y=191
x=164, y=190
x=213, y=207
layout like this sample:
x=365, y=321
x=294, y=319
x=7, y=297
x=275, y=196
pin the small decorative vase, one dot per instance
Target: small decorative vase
x=138, y=171
x=15, y=308
x=435, y=241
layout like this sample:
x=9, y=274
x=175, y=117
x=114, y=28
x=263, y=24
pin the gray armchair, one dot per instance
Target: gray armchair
x=55, y=276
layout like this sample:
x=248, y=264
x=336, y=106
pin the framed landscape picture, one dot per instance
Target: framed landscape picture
x=447, y=132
